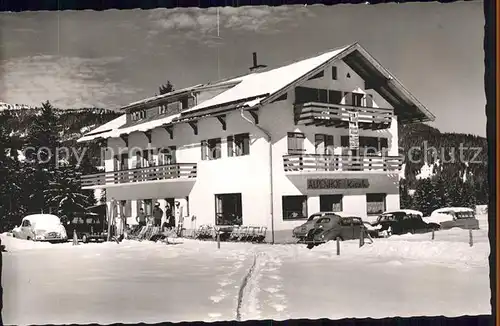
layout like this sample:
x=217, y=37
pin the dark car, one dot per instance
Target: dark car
x=333, y=226
x=88, y=227
x=402, y=222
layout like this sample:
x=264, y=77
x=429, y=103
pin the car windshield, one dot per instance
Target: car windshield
x=386, y=217
x=313, y=217
x=465, y=215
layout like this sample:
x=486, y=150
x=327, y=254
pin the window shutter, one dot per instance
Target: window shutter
x=218, y=150
x=246, y=144
x=230, y=146
x=203, y=150
x=348, y=98
x=369, y=100
x=384, y=143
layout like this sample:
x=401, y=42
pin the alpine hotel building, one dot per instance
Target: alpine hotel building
x=265, y=149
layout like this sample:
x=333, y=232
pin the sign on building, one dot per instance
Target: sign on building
x=353, y=130
x=337, y=183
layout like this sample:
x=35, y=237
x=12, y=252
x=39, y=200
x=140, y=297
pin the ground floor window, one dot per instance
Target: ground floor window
x=228, y=209
x=330, y=203
x=294, y=207
x=125, y=208
x=375, y=204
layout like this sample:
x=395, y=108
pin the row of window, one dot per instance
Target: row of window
x=306, y=95
x=324, y=143
x=321, y=74
x=168, y=108
x=237, y=145
x=295, y=207
x=228, y=207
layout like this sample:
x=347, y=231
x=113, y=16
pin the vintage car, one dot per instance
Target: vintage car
x=41, y=227
x=332, y=226
x=301, y=231
x=89, y=226
x=454, y=217
x=403, y=221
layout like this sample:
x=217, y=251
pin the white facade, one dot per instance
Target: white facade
x=249, y=175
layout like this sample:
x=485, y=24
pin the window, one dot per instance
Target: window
x=334, y=73
x=357, y=221
x=306, y=94
x=228, y=209
x=238, y=145
x=357, y=99
x=26, y=223
x=323, y=144
x=296, y=143
x=330, y=203
x=170, y=108
x=211, y=149
x=367, y=145
x=375, y=203
x=167, y=155
x=138, y=115
x=318, y=75
x=345, y=221
x=281, y=98
x=147, y=204
x=125, y=208
x=294, y=207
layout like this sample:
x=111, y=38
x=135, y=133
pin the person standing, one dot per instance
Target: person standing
x=141, y=218
x=179, y=217
x=170, y=217
x=157, y=215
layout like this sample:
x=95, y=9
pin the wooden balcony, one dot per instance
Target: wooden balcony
x=337, y=115
x=179, y=171
x=339, y=163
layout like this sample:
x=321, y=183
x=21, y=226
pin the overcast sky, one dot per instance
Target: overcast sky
x=111, y=58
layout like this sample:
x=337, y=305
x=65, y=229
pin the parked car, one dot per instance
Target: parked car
x=332, y=226
x=454, y=217
x=301, y=231
x=41, y=227
x=88, y=227
x=403, y=221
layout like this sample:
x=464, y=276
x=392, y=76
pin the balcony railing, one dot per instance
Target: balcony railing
x=160, y=172
x=326, y=114
x=339, y=163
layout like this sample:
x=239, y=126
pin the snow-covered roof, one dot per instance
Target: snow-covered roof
x=259, y=88
x=407, y=211
x=37, y=217
x=453, y=209
x=106, y=130
x=262, y=84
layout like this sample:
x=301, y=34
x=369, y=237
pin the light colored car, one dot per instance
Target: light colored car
x=454, y=217
x=41, y=227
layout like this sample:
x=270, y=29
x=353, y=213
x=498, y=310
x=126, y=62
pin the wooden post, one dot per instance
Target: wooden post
x=75, y=238
x=362, y=238
x=471, y=241
x=432, y=234
x=218, y=238
x=338, y=246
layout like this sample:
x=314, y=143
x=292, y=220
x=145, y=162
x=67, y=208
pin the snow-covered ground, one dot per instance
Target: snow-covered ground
x=193, y=280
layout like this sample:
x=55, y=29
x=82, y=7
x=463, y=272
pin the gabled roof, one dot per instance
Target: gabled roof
x=260, y=88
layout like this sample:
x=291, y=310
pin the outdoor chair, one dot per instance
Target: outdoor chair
x=235, y=233
x=243, y=234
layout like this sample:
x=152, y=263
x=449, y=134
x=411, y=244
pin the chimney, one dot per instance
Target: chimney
x=256, y=67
